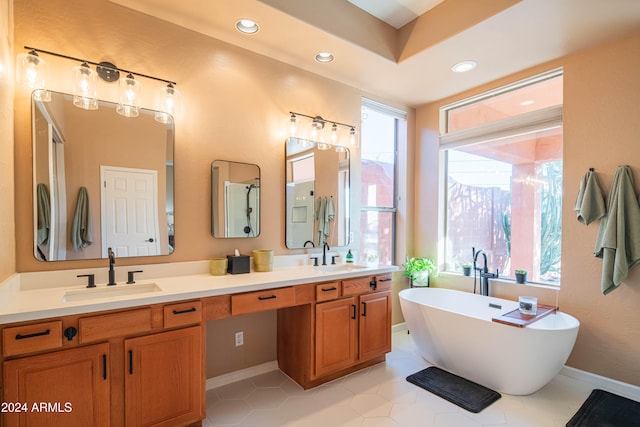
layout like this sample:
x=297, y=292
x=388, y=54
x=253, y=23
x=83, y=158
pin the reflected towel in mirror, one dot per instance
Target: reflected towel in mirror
x=44, y=213
x=82, y=227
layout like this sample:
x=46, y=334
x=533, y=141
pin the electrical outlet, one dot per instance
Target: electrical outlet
x=239, y=338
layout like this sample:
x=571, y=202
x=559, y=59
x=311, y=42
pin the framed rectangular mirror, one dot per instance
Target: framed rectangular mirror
x=100, y=180
x=317, y=194
x=235, y=199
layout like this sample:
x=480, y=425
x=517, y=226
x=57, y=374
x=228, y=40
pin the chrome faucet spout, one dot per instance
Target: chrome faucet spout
x=112, y=273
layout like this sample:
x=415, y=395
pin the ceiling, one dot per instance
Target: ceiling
x=404, y=53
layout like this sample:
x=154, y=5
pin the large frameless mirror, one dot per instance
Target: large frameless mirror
x=317, y=194
x=100, y=180
x=235, y=199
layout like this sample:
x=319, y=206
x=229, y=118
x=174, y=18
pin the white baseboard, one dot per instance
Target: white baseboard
x=614, y=386
x=399, y=327
x=242, y=374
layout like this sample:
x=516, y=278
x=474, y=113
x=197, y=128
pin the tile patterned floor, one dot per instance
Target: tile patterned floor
x=380, y=396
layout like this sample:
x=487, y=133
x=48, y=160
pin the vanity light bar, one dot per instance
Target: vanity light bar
x=103, y=68
x=320, y=120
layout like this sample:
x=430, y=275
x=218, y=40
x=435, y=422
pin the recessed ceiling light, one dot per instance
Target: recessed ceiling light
x=247, y=26
x=324, y=57
x=464, y=66
x=527, y=102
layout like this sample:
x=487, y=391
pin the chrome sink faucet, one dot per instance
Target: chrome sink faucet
x=325, y=248
x=112, y=273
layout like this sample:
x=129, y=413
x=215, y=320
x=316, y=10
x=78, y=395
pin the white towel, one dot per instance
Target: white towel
x=589, y=204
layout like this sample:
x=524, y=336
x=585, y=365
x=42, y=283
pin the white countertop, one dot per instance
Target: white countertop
x=31, y=296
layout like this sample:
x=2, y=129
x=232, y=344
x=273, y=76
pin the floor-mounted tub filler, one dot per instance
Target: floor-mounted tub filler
x=454, y=331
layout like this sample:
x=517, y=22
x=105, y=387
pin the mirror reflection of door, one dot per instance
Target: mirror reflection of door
x=301, y=201
x=129, y=215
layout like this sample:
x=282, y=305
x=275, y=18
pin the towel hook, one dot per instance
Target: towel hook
x=591, y=169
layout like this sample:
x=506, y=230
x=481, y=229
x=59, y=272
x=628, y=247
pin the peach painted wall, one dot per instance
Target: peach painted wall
x=7, y=224
x=235, y=107
x=601, y=130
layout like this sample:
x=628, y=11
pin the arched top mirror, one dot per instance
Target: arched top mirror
x=235, y=199
x=100, y=180
x=317, y=194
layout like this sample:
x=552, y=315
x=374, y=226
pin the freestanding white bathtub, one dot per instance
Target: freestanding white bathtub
x=453, y=330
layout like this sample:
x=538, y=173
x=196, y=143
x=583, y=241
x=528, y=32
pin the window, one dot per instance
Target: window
x=379, y=139
x=503, y=163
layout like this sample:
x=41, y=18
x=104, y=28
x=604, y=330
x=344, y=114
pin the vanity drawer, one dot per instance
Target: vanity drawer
x=327, y=291
x=105, y=326
x=383, y=282
x=357, y=286
x=30, y=338
x=185, y=313
x=262, y=300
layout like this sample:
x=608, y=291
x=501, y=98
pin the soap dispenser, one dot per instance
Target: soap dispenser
x=349, y=257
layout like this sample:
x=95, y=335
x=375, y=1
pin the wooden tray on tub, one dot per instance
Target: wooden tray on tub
x=515, y=318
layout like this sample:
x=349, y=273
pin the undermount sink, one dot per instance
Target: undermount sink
x=341, y=267
x=109, y=292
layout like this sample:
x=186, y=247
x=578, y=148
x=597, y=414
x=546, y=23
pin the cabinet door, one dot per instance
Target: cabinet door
x=164, y=378
x=63, y=388
x=375, y=325
x=335, y=335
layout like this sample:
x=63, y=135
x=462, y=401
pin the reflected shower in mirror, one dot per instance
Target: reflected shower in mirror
x=235, y=199
x=100, y=180
x=317, y=194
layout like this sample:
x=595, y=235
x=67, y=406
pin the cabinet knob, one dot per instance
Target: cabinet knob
x=70, y=332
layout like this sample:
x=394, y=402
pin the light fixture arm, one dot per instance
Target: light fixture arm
x=320, y=119
x=103, y=64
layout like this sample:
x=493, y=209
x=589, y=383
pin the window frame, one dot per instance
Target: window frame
x=538, y=120
x=397, y=115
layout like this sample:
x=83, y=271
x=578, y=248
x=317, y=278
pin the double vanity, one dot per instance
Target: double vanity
x=134, y=354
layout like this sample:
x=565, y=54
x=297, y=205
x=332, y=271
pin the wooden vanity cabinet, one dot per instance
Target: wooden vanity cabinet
x=136, y=367
x=332, y=338
x=62, y=388
x=163, y=378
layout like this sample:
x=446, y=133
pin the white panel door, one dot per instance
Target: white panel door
x=129, y=211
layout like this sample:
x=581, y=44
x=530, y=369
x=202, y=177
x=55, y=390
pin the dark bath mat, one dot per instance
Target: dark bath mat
x=457, y=390
x=604, y=409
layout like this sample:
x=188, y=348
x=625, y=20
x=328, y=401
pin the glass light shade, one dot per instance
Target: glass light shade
x=334, y=133
x=323, y=146
x=32, y=73
x=317, y=133
x=293, y=129
x=129, y=104
x=168, y=104
x=84, y=87
x=353, y=138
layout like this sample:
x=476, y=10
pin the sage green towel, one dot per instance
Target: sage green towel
x=44, y=213
x=82, y=227
x=590, y=201
x=618, y=242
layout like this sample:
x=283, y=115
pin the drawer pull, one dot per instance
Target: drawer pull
x=266, y=298
x=130, y=362
x=37, y=334
x=388, y=279
x=104, y=366
x=353, y=307
x=364, y=309
x=190, y=310
x=329, y=289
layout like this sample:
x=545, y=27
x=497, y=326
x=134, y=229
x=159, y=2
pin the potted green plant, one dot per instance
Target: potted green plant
x=418, y=270
x=521, y=276
x=466, y=269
